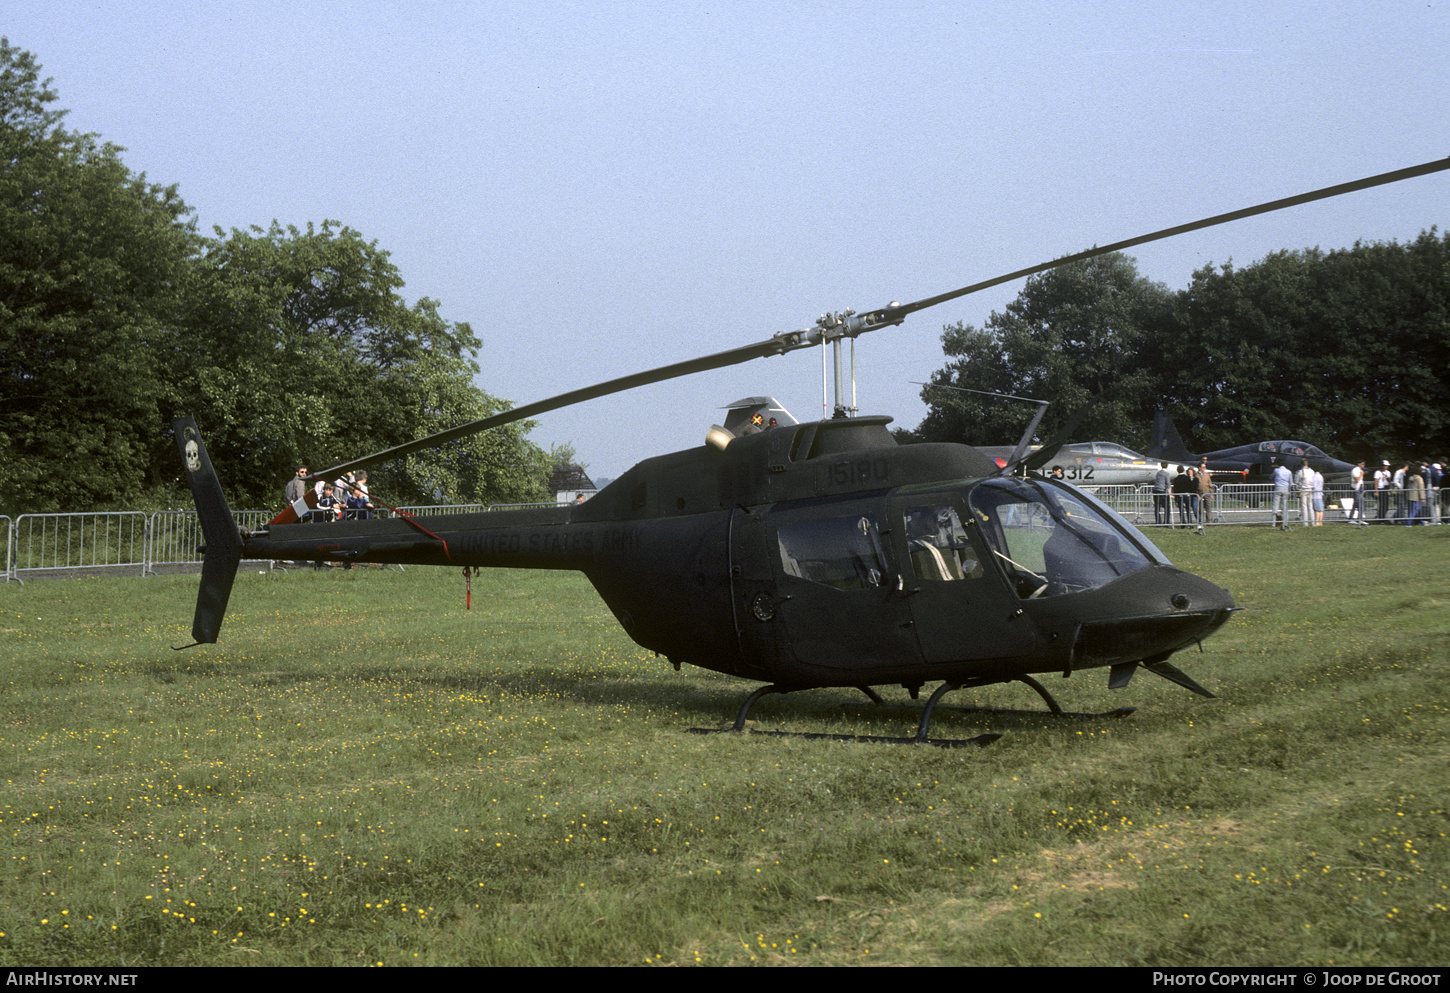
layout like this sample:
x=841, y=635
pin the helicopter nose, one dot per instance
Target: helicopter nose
x=1150, y=614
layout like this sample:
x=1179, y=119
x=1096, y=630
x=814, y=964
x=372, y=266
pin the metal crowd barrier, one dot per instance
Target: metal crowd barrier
x=173, y=536
x=447, y=508
x=120, y=540
x=35, y=544
x=1246, y=503
x=93, y=541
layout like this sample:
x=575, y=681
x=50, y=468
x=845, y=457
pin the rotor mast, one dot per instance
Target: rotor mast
x=847, y=324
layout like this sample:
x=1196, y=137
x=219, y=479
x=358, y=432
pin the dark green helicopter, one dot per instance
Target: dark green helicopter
x=808, y=555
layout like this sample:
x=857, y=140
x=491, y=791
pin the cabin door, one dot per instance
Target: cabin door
x=839, y=598
x=961, y=610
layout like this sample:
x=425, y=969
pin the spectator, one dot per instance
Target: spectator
x=1443, y=476
x=297, y=485
x=1162, y=512
x=359, y=507
x=328, y=506
x=1316, y=489
x=1182, y=487
x=1205, y=494
x=1414, y=498
x=1304, y=483
x=1431, y=475
x=1282, y=479
x=1356, y=481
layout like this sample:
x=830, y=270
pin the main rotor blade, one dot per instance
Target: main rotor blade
x=896, y=313
x=720, y=360
x=884, y=317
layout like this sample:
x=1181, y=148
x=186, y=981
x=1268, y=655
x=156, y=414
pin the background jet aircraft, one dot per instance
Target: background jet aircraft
x=1096, y=463
x=1255, y=461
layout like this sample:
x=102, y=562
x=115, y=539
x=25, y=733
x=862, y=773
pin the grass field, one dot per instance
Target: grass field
x=364, y=773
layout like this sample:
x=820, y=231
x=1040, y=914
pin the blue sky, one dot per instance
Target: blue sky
x=604, y=187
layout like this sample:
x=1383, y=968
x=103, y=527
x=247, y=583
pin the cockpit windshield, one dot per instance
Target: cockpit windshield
x=1114, y=450
x=1299, y=448
x=1051, y=539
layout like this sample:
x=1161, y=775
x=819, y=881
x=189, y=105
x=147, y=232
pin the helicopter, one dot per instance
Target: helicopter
x=808, y=555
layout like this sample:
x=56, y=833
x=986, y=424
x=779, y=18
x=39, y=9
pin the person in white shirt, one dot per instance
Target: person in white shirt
x=1304, y=482
x=1382, y=488
x=1356, y=479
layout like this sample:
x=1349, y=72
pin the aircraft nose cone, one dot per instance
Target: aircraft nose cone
x=1152, y=613
x=1183, y=591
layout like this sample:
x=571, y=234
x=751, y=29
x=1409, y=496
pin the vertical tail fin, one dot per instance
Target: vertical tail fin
x=1167, y=446
x=223, y=552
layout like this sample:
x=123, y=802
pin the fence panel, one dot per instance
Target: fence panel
x=7, y=541
x=108, y=540
x=1129, y=501
x=1253, y=503
x=473, y=508
x=173, y=536
x=446, y=508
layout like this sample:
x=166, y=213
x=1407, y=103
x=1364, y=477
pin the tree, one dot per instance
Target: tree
x=92, y=259
x=1075, y=334
x=287, y=345
x=1346, y=349
x=299, y=348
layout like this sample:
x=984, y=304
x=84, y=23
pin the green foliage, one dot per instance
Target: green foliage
x=92, y=259
x=1348, y=348
x=1074, y=334
x=299, y=348
x=285, y=344
x=1345, y=349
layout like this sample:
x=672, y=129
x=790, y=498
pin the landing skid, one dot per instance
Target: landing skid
x=923, y=725
x=981, y=740
x=1054, y=709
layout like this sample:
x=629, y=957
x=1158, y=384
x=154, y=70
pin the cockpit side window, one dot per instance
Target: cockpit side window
x=938, y=544
x=841, y=552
